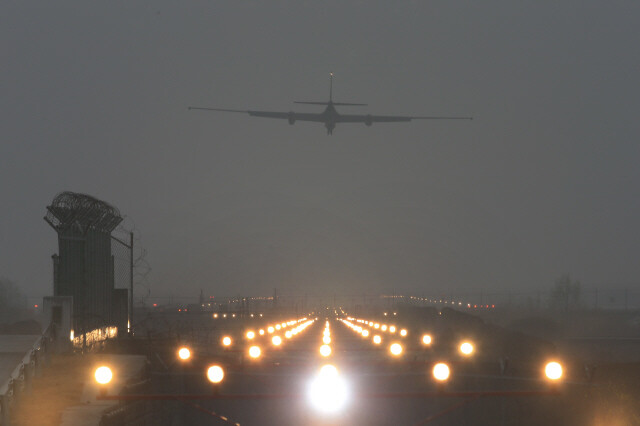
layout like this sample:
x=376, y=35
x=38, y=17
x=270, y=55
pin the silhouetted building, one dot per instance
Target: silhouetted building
x=84, y=265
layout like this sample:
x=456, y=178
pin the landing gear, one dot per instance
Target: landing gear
x=330, y=127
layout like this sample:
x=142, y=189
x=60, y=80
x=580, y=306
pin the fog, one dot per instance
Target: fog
x=542, y=182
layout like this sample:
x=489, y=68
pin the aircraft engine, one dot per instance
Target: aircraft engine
x=291, y=118
x=368, y=120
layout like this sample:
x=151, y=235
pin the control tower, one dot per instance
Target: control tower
x=84, y=265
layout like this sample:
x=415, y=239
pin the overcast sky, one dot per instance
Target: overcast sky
x=545, y=180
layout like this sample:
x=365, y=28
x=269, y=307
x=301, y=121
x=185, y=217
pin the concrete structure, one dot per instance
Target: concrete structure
x=17, y=363
x=58, y=310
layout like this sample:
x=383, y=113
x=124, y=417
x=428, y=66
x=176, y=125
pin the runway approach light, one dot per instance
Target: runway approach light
x=365, y=333
x=270, y=329
x=184, y=353
x=395, y=349
x=261, y=332
x=326, y=340
x=226, y=340
x=328, y=392
x=426, y=339
x=441, y=372
x=251, y=335
x=254, y=352
x=215, y=374
x=276, y=340
x=466, y=348
x=403, y=332
x=377, y=339
x=392, y=329
x=325, y=350
x=553, y=371
x=103, y=375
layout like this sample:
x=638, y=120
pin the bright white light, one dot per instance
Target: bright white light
x=441, y=371
x=325, y=350
x=365, y=333
x=426, y=339
x=328, y=392
x=326, y=340
x=395, y=349
x=392, y=329
x=383, y=328
x=270, y=329
x=250, y=335
x=553, y=370
x=276, y=340
x=466, y=348
x=215, y=374
x=254, y=352
x=226, y=340
x=288, y=334
x=261, y=332
x=377, y=339
x=103, y=375
x=184, y=353
x=403, y=332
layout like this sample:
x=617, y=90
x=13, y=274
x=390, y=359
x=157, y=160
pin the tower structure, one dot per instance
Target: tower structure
x=84, y=265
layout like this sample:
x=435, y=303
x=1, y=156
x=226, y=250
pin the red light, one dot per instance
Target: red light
x=35, y=306
x=179, y=310
x=487, y=306
x=475, y=306
x=493, y=306
x=155, y=304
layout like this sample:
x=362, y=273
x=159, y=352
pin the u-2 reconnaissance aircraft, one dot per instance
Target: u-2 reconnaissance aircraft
x=330, y=117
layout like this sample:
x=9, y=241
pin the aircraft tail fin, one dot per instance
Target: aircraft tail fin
x=330, y=87
x=330, y=97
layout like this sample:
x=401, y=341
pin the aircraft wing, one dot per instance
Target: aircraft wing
x=293, y=116
x=297, y=116
x=359, y=118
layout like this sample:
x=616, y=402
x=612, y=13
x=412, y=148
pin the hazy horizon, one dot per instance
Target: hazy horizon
x=542, y=182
